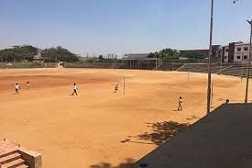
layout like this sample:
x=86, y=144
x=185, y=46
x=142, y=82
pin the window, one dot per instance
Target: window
x=239, y=49
x=245, y=48
x=245, y=57
x=225, y=57
x=226, y=50
x=238, y=57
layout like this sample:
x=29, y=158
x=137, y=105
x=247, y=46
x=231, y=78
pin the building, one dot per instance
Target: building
x=139, y=61
x=235, y=52
x=216, y=50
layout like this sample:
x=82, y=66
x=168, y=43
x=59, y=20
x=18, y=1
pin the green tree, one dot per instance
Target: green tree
x=100, y=57
x=27, y=52
x=18, y=53
x=59, y=54
x=167, y=53
x=192, y=54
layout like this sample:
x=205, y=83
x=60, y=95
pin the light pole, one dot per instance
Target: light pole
x=122, y=61
x=248, y=66
x=209, y=61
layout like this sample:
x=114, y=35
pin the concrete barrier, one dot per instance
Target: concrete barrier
x=32, y=159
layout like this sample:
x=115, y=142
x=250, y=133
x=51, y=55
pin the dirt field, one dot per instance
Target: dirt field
x=99, y=126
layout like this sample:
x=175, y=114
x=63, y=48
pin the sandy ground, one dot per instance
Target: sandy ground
x=80, y=131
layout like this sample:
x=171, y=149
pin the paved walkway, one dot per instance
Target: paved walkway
x=223, y=139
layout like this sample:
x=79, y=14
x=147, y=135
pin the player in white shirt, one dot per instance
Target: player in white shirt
x=75, y=90
x=17, y=88
x=180, y=101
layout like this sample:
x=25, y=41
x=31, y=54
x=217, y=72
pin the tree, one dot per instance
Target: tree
x=59, y=54
x=18, y=53
x=27, y=52
x=192, y=54
x=100, y=57
x=167, y=53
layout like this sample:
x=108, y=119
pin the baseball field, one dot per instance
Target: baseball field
x=99, y=127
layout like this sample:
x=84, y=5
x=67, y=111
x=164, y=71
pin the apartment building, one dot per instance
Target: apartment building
x=235, y=52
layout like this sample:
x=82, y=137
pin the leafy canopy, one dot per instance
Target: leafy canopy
x=169, y=53
x=27, y=53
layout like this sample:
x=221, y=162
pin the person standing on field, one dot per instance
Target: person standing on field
x=28, y=84
x=17, y=88
x=180, y=101
x=75, y=90
x=116, y=88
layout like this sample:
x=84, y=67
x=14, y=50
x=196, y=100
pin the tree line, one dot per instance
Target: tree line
x=56, y=54
x=29, y=53
x=169, y=54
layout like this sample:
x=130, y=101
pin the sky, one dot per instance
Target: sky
x=122, y=26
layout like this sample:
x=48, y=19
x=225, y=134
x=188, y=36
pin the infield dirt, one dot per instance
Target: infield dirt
x=99, y=125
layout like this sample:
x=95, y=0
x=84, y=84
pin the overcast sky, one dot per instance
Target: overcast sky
x=121, y=26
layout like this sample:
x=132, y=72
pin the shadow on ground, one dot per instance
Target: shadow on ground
x=161, y=132
x=127, y=164
x=193, y=117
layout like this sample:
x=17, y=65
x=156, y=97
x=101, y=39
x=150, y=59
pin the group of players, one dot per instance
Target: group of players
x=75, y=92
x=75, y=88
x=17, y=87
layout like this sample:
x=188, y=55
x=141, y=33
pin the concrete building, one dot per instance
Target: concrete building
x=235, y=52
x=139, y=61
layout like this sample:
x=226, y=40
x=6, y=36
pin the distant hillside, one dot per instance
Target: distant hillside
x=29, y=53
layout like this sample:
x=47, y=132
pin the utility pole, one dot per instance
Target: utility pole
x=124, y=84
x=122, y=61
x=209, y=61
x=248, y=65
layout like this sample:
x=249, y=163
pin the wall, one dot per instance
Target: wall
x=32, y=159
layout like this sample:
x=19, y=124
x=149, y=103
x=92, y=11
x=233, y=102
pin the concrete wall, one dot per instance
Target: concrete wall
x=32, y=159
